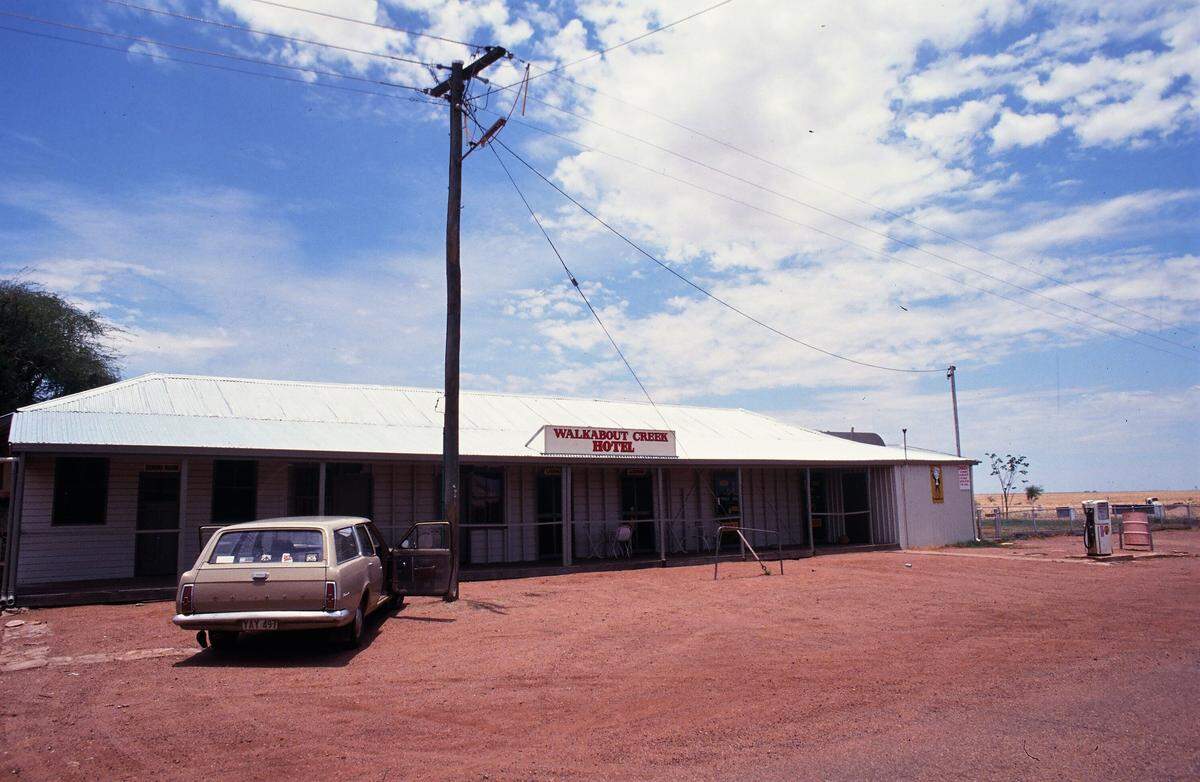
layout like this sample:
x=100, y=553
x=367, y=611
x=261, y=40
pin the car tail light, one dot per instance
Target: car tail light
x=330, y=595
x=185, y=598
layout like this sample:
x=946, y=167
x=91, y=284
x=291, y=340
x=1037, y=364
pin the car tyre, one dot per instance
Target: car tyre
x=222, y=641
x=352, y=635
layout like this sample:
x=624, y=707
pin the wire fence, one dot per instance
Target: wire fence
x=1029, y=521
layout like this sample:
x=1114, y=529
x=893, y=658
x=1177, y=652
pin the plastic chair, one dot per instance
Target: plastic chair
x=623, y=540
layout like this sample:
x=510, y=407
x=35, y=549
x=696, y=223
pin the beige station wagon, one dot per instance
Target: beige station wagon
x=305, y=573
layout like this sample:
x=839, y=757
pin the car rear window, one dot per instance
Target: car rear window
x=273, y=546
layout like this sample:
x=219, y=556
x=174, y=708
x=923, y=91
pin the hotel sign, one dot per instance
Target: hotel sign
x=590, y=441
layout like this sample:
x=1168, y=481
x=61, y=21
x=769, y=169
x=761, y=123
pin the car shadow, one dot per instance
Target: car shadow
x=290, y=649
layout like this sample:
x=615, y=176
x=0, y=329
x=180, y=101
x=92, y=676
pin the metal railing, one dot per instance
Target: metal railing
x=739, y=530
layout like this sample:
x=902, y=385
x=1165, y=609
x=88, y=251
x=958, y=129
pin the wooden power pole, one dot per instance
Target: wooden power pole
x=454, y=89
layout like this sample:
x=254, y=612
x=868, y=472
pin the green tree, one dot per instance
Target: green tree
x=1009, y=470
x=1032, y=492
x=49, y=347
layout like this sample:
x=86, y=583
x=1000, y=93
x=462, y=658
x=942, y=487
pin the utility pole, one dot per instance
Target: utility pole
x=954, y=403
x=454, y=89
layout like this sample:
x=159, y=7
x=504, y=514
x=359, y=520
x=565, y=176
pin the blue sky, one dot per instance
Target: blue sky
x=239, y=225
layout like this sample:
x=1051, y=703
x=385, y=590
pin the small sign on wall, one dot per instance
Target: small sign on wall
x=937, y=490
x=964, y=478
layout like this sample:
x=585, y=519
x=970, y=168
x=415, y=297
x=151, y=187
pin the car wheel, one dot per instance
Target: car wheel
x=222, y=641
x=353, y=634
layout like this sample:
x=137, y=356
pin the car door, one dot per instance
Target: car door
x=421, y=563
x=374, y=560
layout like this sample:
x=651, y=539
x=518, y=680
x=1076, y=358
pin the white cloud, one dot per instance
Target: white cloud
x=1023, y=130
x=951, y=134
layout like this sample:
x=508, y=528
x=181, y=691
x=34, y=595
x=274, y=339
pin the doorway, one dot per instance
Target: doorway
x=637, y=505
x=856, y=507
x=156, y=551
x=549, y=516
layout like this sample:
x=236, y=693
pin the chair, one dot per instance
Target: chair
x=1136, y=525
x=623, y=541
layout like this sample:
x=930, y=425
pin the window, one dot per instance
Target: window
x=304, y=486
x=365, y=544
x=482, y=496
x=348, y=489
x=345, y=544
x=235, y=484
x=80, y=490
x=268, y=546
x=725, y=495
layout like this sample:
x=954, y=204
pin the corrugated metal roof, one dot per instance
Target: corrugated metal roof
x=185, y=412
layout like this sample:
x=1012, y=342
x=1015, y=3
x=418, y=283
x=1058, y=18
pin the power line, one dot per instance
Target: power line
x=702, y=289
x=865, y=202
x=575, y=284
x=223, y=68
x=210, y=52
x=231, y=26
x=604, y=51
x=860, y=226
x=351, y=19
x=843, y=239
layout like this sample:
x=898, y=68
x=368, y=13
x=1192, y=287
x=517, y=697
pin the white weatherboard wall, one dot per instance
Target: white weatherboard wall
x=924, y=522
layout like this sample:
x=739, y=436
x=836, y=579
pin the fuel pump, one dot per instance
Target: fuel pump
x=1097, y=528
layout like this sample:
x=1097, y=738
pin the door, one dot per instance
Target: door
x=371, y=551
x=156, y=551
x=421, y=563
x=855, y=505
x=637, y=505
x=550, y=517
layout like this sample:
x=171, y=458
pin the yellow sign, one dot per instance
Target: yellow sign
x=936, y=487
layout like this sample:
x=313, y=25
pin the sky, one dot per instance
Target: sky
x=1007, y=186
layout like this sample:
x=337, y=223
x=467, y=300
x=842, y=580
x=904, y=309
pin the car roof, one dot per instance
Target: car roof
x=285, y=522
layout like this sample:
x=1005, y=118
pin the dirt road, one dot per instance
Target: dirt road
x=847, y=667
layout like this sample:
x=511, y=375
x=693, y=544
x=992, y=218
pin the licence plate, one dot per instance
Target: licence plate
x=260, y=624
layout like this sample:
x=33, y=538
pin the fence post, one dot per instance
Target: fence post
x=996, y=523
x=1033, y=512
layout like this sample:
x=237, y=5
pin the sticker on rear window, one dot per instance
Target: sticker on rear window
x=311, y=557
x=225, y=560
x=285, y=557
x=245, y=559
x=265, y=558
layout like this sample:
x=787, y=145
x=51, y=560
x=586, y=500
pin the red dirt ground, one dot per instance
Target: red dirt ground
x=847, y=667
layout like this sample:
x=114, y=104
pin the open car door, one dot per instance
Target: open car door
x=421, y=563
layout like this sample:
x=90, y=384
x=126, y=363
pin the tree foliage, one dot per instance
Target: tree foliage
x=1032, y=492
x=1009, y=470
x=49, y=347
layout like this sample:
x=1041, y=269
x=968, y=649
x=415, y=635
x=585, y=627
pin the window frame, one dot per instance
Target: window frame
x=468, y=499
x=337, y=555
x=294, y=499
x=364, y=536
x=58, y=500
x=253, y=490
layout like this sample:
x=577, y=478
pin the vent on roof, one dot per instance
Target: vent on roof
x=870, y=438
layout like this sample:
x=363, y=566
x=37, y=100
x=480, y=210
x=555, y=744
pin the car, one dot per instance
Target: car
x=305, y=573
